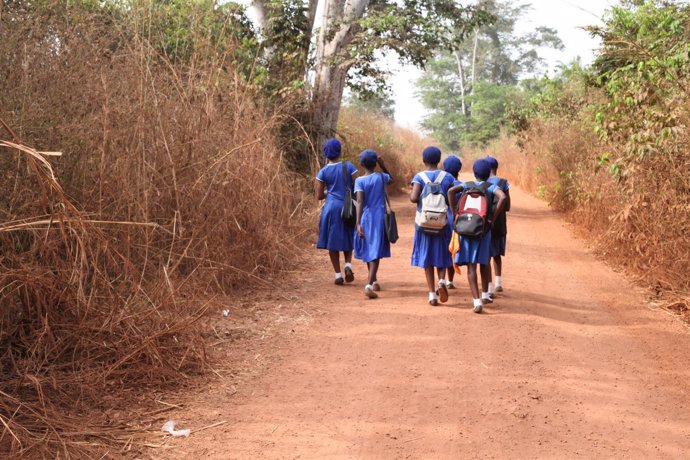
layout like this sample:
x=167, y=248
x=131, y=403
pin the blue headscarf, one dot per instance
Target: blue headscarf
x=332, y=149
x=481, y=169
x=493, y=162
x=431, y=155
x=368, y=158
x=452, y=165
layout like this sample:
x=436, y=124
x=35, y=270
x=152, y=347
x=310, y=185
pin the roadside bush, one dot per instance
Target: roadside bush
x=171, y=190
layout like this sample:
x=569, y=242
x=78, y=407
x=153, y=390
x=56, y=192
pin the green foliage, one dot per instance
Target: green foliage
x=563, y=97
x=482, y=74
x=377, y=102
x=412, y=29
x=643, y=69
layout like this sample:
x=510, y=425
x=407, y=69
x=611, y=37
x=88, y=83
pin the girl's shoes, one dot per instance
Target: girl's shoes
x=369, y=291
x=450, y=285
x=499, y=288
x=433, y=300
x=349, y=275
x=376, y=286
x=339, y=281
x=442, y=292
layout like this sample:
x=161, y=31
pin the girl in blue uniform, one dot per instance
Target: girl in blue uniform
x=452, y=165
x=499, y=233
x=431, y=251
x=371, y=244
x=334, y=235
x=475, y=251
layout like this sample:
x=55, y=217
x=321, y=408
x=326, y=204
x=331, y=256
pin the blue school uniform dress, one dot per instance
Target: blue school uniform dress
x=375, y=245
x=334, y=235
x=498, y=241
x=476, y=250
x=432, y=250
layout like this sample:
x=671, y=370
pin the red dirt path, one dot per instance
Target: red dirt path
x=569, y=363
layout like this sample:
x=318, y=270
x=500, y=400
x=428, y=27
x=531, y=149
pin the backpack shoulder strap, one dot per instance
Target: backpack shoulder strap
x=424, y=177
x=502, y=184
x=440, y=177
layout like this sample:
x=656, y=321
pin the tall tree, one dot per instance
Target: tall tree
x=352, y=35
x=493, y=54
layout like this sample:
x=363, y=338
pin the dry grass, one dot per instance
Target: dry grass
x=171, y=190
x=401, y=147
x=638, y=221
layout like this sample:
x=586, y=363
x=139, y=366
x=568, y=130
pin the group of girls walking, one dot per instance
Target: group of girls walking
x=431, y=249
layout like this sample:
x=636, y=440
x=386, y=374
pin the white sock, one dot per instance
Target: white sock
x=368, y=286
x=338, y=275
x=478, y=302
x=348, y=265
x=485, y=295
x=441, y=282
x=491, y=288
x=432, y=296
x=498, y=281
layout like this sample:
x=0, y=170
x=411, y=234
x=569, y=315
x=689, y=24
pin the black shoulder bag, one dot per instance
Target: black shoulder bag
x=349, y=211
x=391, y=224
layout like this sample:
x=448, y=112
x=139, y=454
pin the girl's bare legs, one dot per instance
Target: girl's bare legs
x=472, y=280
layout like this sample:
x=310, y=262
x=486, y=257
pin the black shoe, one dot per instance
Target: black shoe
x=339, y=281
x=349, y=275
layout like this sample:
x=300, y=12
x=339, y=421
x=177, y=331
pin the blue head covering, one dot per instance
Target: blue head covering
x=493, y=162
x=452, y=165
x=368, y=158
x=481, y=169
x=332, y=149
x=431, y=155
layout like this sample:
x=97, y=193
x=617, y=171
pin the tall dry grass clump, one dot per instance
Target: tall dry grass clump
x=637, y=220
x=401, y=147
x=171, y=189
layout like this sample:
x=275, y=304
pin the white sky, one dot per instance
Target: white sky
x=566, y=16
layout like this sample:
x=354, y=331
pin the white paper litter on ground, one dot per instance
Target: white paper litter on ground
x=169, y=427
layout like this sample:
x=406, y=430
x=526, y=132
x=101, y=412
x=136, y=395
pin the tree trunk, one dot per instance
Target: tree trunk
x=474, y=60
x=331, y=75
x=461, y=75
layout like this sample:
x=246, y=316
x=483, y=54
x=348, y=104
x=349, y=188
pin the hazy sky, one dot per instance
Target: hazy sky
x=566, y=16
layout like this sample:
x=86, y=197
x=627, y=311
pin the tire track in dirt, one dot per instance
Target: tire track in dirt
x=568, y=363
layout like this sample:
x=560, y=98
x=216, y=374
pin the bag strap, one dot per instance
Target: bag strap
x=440, y=177
x=386, y=201
x=424, y=177
x=347, y=182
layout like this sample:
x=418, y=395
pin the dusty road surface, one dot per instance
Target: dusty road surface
x=569, y=362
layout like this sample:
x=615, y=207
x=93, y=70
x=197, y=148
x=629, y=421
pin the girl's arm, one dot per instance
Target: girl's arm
x=507, y=192
x=320, y=190
x=453, y=196
x=360, y=206
x=416, y=191
x=380, y=162
x=499, y=206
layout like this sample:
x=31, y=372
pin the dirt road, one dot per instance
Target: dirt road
x=569, y=363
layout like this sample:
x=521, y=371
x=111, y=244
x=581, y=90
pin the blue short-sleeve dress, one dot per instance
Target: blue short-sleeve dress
x=498, y=242
x=475, y=250
x=334, y=235
x=432, y=250
x=375, y=245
